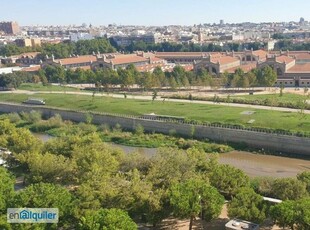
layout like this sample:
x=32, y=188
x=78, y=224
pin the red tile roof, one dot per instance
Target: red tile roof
x=77, y=60
x=180, y=54
x=284, y=59
x=304, y=55
x=246, y=68
x=260, y=53
x=300, y=68
x=223, y=59
x=126, y=59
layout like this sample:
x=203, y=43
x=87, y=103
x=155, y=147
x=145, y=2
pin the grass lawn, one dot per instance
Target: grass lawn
x=286, y=97
x=40, y=87
x=212, y=113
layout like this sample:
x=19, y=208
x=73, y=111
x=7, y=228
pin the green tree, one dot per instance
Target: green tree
x=170, y=166
x=46, y=196
x=157, y=206
x=191, y=197
x=139, y=130
x=126, y=77
x=284, y=214
x=305, y=177
x=48, y=168
x=289, y=189
x=266, y=76
x=6, y=189
x=293, y=214
x=303, y=209
x=94, y=161
x=281, y=89
x=160, y=75
x=251, y=78
x=247, y=205
x=154, y=95
x=228, y=179
x=106, y=219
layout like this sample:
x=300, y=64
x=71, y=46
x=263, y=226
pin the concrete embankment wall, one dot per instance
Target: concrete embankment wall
x=267, y=141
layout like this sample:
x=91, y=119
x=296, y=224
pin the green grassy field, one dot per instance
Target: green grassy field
x=286, y=97
x=212, y=113
x=40, y=87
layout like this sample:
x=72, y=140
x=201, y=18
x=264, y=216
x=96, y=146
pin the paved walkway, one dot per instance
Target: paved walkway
x=142, y=97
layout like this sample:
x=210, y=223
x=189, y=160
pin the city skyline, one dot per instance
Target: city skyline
x=151, y=13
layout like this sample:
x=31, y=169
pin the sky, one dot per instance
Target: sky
x=151, y=12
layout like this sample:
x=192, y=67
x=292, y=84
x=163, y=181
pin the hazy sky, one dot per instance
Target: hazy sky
x=151, y=12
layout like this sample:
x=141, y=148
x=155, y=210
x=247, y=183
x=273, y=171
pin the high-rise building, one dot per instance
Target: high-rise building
x=301, y=21
x=221, y=22
x=9, y=27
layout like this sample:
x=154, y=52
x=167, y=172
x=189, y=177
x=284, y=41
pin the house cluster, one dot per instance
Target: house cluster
x=292, y=67
x=144, y=62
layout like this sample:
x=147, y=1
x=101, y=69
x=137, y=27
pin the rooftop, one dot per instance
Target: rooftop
x=300, y=68
x=77, y=60
x=223, y=59
x=236, y=224
x=284, y=59
x=126, y=58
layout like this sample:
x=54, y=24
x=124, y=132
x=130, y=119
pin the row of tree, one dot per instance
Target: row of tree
x=62, y=50
x=264, y=77
x=15, y=79
x=177, y=78
x=126, y=78
x=96, y=186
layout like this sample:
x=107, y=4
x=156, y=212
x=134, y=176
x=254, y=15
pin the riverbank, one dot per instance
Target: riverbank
x=253, y=164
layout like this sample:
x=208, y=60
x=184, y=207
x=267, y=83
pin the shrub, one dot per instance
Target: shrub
x=14, y=117
x=139, y=130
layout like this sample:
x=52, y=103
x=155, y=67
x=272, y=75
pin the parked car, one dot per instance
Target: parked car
x=34, y=101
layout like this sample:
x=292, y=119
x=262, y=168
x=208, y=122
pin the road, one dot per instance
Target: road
x=142, y=97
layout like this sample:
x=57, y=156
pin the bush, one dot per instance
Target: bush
x=139, y=130
x=32, y=117
x=14, y=117
x=117, y=128
x=105, y=128
x=172, y=132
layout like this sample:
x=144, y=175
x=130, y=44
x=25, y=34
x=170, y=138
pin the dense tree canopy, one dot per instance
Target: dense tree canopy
x=6, y=189
x=194, y=196
x=97, y=186
x=292, y=214
x=106, y=219
x=247, y=205
x=289, y=189
x=228, y=180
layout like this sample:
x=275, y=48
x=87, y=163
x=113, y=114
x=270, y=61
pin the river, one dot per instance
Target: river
x=252, y=164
